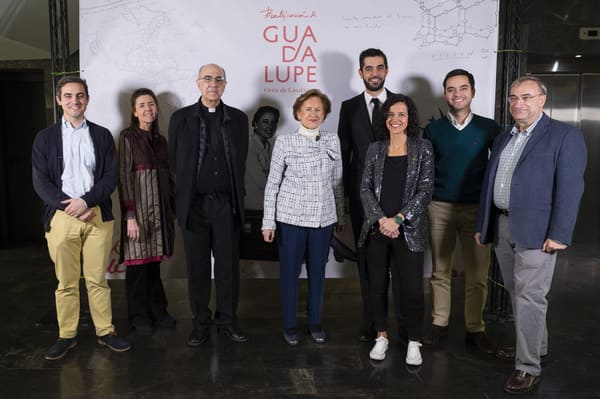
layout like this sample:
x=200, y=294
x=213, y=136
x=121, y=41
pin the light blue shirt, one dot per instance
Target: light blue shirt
x=79, y=159
x=508, y=161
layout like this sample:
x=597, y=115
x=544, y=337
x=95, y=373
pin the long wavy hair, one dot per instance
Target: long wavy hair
x=412, y=130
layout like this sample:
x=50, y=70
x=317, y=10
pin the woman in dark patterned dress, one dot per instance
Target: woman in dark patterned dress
x=146, y=191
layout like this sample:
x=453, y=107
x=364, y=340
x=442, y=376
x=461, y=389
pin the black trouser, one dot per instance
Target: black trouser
x=212, y=227
x=357, y=218
x=384, y=253
x=146, y=299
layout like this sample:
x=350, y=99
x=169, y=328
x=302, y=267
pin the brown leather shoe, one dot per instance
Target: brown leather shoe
x=435, y=335
x=480, y=341
x=520, y=382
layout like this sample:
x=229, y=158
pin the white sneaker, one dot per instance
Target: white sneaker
x=378, y=351
x=413, y=354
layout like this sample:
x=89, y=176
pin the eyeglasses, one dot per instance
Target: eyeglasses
x=217, y=79
x=390, y=115
x=525, y=98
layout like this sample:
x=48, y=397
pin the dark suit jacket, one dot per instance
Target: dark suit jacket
x=356, y=133
x=187, y=146
x=48, y=165
x=417, y=192
x=546, y=187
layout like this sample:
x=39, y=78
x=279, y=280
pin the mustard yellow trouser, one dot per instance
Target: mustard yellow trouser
x=74, y=244
x=447, y=221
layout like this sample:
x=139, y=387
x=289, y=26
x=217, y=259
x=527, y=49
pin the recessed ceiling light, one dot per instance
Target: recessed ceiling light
x=578, y=56
x=555, y=66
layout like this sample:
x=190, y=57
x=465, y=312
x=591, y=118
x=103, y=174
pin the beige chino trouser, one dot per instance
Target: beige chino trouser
x=447, y=221
x=74, y=245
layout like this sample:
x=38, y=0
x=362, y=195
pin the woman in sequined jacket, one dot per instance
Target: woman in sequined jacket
x=396, y=188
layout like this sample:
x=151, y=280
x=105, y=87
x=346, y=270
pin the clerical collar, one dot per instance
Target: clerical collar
x=210, y=109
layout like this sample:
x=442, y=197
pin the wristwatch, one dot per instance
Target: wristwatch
x=398, y=219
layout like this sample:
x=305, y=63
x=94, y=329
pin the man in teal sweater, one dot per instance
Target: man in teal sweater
x=461, y=143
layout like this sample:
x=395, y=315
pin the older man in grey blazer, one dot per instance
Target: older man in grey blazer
x=528, y=207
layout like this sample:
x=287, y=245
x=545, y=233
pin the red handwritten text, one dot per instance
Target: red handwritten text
x=270, y=13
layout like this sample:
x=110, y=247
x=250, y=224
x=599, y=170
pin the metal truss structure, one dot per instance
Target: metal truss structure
x=59, y=44
x=510, y=59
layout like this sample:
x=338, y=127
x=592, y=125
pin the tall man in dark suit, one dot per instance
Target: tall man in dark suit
x=528, y=207
x=208, y=145
x=358, y=118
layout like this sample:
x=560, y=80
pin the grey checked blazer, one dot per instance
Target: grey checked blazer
x=305, y=186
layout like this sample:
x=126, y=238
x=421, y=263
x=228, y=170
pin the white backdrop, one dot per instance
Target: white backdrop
x=273, y=51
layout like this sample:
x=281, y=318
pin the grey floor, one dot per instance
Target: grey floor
x=162, y=366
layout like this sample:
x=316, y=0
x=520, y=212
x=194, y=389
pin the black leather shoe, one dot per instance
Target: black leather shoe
x=521, y=382
x=435, y=335
x=233, y=333
x=506, y=353
x=317, y=333
x=291, y=337
x=198, y=336
x=509, y=353
x=480, y=341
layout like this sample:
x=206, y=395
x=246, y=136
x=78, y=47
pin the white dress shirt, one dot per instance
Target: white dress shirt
x=79, y=159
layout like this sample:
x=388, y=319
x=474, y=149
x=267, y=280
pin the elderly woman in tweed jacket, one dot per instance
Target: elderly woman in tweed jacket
x=303, y=202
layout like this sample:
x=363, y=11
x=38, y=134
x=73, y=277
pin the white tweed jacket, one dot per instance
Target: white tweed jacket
x=304, y=187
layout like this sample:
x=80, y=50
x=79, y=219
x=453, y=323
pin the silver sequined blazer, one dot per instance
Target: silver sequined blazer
x=417, y=193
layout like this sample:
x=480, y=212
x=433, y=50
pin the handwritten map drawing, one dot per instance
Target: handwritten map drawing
x=135, y=49
x=447, y=22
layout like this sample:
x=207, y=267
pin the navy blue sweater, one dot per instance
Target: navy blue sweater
x=48, y=165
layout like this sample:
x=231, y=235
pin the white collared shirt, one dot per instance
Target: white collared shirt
x=459, y=126
x=381, y=97
x=79, y=159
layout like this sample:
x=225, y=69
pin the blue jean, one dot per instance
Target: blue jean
x=297, y=243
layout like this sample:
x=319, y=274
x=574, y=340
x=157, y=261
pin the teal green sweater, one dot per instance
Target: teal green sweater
x=460, y=157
